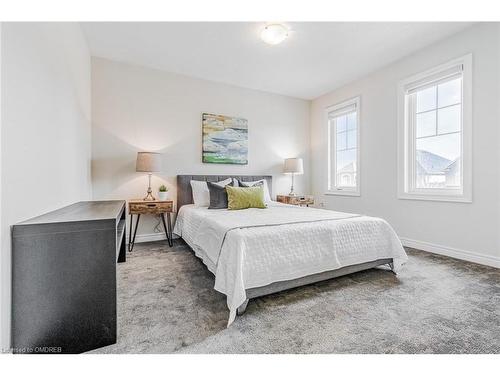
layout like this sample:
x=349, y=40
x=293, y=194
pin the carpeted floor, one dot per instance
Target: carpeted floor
x=167, y=304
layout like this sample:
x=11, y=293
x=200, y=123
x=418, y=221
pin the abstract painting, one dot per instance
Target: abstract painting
x=225, y=139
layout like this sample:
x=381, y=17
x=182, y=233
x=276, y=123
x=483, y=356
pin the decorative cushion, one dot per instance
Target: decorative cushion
x=263, y=183
x=201, y=194
x=218, y=195
x=245, y=197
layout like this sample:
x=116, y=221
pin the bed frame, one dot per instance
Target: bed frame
x=185, y=196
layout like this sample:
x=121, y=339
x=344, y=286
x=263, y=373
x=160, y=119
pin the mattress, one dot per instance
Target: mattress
x=257, y=247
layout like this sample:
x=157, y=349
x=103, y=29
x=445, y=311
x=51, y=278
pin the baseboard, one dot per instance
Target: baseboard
x=487, y=260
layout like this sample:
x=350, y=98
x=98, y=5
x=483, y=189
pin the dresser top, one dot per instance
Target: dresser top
x=81, y=211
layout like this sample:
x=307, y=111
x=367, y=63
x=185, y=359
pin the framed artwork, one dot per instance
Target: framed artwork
x=225, y=139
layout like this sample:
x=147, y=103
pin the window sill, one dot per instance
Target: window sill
x=351, y=193
x=438, y=198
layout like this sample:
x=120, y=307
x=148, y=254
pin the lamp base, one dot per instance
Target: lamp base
x=292, y=193
x=149, y=196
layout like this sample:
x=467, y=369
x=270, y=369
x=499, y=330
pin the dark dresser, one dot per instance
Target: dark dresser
x=64, y=278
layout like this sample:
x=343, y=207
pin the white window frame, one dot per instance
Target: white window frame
x=331, y=188
x=406, y=129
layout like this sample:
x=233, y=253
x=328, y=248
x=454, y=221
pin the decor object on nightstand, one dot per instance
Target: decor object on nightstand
x=139, y=207
x=297, y=200
x=148, y=162
x=293, y=166
x=163, y=193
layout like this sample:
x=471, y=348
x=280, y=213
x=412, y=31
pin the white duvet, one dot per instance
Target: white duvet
x=256, y=247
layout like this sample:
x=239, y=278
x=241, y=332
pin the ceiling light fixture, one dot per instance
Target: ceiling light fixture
x=274, y=33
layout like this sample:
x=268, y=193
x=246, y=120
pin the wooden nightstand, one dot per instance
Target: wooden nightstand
x=298, y=200
x=142, y=207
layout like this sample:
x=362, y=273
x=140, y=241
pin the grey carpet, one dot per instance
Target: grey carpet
x=167, y=304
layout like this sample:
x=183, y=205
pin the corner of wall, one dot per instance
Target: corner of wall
x=89, y=190
x=3, y=329
x=310, y=149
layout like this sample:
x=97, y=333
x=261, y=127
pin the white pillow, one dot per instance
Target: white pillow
x=267, y=196
x=201, y=194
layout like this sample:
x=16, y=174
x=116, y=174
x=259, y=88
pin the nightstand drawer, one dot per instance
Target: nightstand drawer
x=298, y=200
x=150, y=207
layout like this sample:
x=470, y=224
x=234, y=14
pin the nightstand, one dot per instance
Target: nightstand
x=297, y=200
x=142, y=207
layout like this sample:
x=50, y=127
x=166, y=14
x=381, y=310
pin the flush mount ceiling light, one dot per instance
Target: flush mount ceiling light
x=274, y=33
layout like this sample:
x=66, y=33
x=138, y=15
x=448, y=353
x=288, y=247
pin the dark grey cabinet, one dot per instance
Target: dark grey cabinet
x=64, y=278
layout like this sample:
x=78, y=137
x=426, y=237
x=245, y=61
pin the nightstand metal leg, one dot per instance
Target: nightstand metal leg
x=169, y=226
x=130, y=232
x=131, y=245
x=168, y=230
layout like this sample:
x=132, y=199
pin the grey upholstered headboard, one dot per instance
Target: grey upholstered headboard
x=185, y=194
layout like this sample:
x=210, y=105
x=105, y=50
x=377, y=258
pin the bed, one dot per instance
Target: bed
x=256, y=252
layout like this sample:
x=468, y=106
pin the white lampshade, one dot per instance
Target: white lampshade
x=294, y=165
x=148, y=162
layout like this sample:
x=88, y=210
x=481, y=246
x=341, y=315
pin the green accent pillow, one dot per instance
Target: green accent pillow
x=239, y=198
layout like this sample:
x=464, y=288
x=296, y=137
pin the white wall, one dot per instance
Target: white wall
x=45, y=141
x=3, y=317
x=142, y=109
x=469, y=231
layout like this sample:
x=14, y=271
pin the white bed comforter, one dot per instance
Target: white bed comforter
x=256, y=247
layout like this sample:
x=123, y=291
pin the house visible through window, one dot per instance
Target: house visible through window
x=438, y=135
x=343, y=148
x=435, y=133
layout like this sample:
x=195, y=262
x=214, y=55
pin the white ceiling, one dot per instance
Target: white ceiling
x=315, y=59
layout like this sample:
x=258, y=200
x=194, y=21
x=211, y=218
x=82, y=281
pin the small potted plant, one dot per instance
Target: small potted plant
x=163, y=193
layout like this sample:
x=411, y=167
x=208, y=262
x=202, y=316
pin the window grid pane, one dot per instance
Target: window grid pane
x=426, y=124
x=449, y=119
x=450, y=93
x=341, y=141
x=427, y=99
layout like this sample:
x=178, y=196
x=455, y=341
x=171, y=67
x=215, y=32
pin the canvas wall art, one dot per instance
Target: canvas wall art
x=225, y=139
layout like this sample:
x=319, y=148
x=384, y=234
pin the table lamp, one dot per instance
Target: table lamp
x=293, y=166
x=148, y=162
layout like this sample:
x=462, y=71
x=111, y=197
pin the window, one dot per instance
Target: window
x=343, y=148
x=435, y=153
